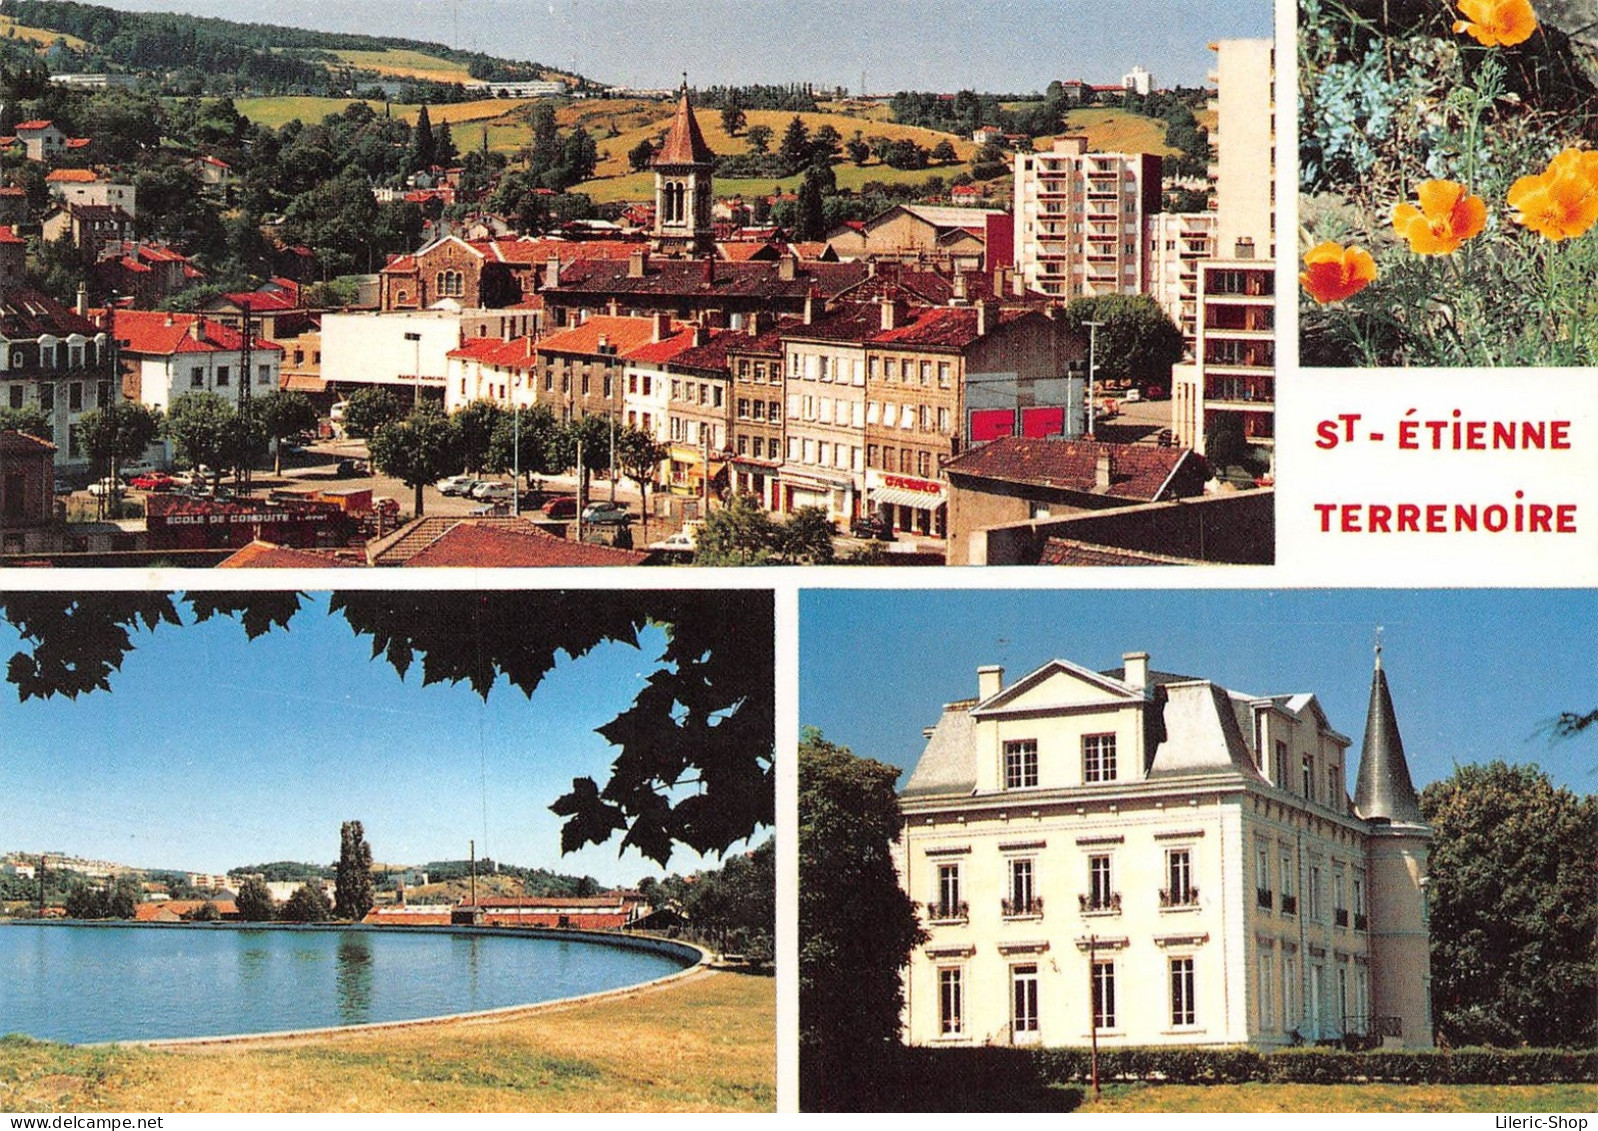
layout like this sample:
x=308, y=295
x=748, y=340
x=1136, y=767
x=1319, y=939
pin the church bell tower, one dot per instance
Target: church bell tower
x=684, y=183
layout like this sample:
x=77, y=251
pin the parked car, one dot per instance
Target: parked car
x=108, y=488
x=871, y=526
x=347, y=467
x=458, y=485
x=561, y=506
x=607, y=514
x=153, y=481
x=685, y=540
x=492, y=492
x=1132, y=396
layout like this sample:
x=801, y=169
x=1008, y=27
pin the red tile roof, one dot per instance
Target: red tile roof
x=445, y=540
x=684, y=144
x=35, y=124
x=409, y=916
x=945, y=327
x=1136, y=471
x=269, y=555
x=80, y=176
x=665, y=350
x=8, y=234
x=162, y=334
x=1070, y=552
x=20, y=443
x=624, y=333
x=497, y=351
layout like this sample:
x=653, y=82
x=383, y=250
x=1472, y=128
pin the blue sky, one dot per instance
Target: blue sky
x=1474, y=673
x=212, y=751
x=1010, y=46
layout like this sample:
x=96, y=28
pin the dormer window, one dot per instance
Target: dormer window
x=1098, y=758
x=1021, y=764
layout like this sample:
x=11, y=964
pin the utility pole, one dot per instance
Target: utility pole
x=1093, y=335
x=580, y=499
x=245, y=478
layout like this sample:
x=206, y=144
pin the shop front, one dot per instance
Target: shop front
x=909, y=504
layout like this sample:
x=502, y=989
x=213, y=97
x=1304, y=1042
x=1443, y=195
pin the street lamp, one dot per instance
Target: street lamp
x=415, y=338
x=1093, y=336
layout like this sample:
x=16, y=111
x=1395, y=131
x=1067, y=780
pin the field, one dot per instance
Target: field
x=404, y=64
x=1345, y=1098
x=1115, y=131
x=498, y=113
x=704, y=1043
x=42, y=36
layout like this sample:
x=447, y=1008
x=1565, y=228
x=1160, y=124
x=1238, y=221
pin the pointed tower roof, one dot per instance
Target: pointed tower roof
x=1384, y=788
x=684, y=144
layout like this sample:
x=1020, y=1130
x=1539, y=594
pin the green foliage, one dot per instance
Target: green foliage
x=1514, y=921
x=30, y=420
x=640, y=155
x=759, y=138
x=118, y=901
x=1137, y=340
x=308, y=904
x=207, y=912
x=422, y=449
x=353, y=893
x=369, y=409
x=197, y=423
x=856, y=925
x=1393, y=98
x=732, y=118
x=475, y=424
x=736, y=907
x=255, y=902
x=284, y=413
x=524, y=440
x=119, y=431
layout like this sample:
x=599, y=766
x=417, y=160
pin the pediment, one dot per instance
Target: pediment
x=1058, y=684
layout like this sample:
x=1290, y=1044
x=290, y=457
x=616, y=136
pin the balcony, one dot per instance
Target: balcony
x=1180, y=897
x=1289, y=905
x=1340, y=917
x=1361, y=922
x=1018, y=908
x=1107, y=903
x=1265, y=898
x=948, y=912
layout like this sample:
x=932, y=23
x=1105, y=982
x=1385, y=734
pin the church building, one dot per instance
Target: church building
x=1154, y=859
x=684, y=187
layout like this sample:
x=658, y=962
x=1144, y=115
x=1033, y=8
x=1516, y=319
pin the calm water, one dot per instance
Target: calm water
x=83, y=984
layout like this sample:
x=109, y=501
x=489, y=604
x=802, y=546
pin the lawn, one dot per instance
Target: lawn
x=1345, y=1098
x=706, y=1042
x=406, y=64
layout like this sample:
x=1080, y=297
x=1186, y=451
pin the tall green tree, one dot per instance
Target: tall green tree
x=1136, y=341
x=475, y=424
x=30, y=420
x=592, y=432
x=353, y=894
x=284, y=413
x=121, y=430
x=523, y=442
x=308, y=904
x=856, y=925
x=759, y=138
x=421, y=449
x=1513, y=904
x=732, y=118
x=638, y=457
x=424, y=147
x=795, y=146
x=197, y=424
x=254, y=902
x=369, y=409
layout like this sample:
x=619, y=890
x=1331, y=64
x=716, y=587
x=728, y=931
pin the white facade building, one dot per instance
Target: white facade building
x=1165, y=860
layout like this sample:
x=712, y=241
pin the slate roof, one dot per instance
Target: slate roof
x=684, y=144
x=683, y=277
x=943, y=327
x=26, y=313
x=1137, y=471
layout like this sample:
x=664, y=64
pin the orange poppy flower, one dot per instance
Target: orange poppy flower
x=1497, y=23
x=1561, y=202
x=1448, y=216
x=1333, y=272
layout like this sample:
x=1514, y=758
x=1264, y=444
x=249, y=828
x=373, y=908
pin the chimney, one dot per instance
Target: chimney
x=662, y=326
x=83, y=300
x=891, y=315
x=615, y=307
x=990, y=681
x=199, y=327
x=710, y=269
x=871, y=268
x=169, y=318
x=785, y=268
x=604, y=341
x=810, y=308
x=701, y=334
x=637, y=263
x=1136, y=675
x=958, y=283
x=552, y=271
x=987, y=317
x=1103, y=470
x=758, y=322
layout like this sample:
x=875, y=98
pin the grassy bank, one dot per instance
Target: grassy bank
x=1346, y=1097
x=701, y=1044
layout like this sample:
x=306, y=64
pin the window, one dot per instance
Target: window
x=1334, y=786
x=1100, y=895
x=75, y=397
x=951, y=1001
x=1021, y=764
x=1104, y=995
x=1360, y=922
x=16, y=396
x=47, y=397
x=263, y=375
x=774, y=411
x=1289, y=992
x=1182, y=1008
x=943, y=374
x=1098, y=757
x=948, y=905
x=1281, y=765
x=1262, y=875
x=1289, y=898
x=1314, y=891
x=1339, y=908
x=1267, y=989
x=222, y=375
x=1179, y=891
x=1309, y=778
x=1023, y=900
x=196, y=378
x=1024, y=998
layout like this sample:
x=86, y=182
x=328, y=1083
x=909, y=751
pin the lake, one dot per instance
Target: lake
x=86, y=983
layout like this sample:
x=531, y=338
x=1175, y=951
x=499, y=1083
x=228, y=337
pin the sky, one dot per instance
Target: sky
x=212, y=751
x=1474, y=674
x=999, y=46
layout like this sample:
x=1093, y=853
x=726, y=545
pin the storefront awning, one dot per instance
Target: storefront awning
x=899, y=497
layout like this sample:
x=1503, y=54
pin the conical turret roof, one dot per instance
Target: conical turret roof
x=1384, y=788
x=684, y=144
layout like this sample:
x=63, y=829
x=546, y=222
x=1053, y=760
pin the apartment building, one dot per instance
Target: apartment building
x=1079, y=219
x=1178, y=242
x=56, y=360
x=1146, y=858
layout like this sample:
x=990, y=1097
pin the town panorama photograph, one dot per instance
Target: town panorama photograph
x=480, y=283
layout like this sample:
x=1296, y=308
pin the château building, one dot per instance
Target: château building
x=1164, y=860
